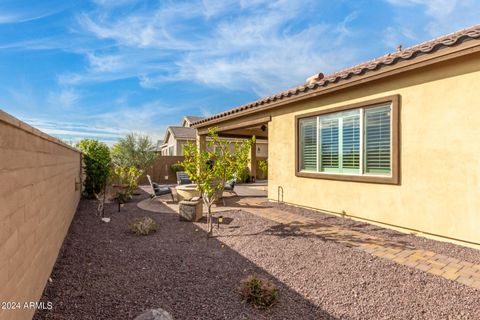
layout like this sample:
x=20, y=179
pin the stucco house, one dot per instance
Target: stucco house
x=393, y=141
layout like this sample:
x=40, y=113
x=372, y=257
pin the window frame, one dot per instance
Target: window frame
x=393, y=178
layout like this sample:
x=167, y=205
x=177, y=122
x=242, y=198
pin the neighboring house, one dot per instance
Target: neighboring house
x=177, y=136
x=158, y=147
x=395, y=140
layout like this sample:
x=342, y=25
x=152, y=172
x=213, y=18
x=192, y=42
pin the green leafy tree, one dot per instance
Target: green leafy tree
x=134, y=151
x=96, y=157
x=211, y=168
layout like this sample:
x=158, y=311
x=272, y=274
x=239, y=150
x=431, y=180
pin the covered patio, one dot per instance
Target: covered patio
x=257, y=127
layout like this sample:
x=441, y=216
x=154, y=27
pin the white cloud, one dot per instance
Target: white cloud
x=112, y=125
x=64, y=99
x=435, y=17
x=256, y=50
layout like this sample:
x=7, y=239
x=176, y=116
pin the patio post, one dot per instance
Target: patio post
x=253, y=162
x=201, y=142
x=201, y=145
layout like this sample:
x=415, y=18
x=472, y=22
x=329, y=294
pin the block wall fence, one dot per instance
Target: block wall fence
x=40, y=186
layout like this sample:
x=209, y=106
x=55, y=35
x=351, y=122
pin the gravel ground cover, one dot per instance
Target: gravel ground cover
x=104, y=272
x=409, y=239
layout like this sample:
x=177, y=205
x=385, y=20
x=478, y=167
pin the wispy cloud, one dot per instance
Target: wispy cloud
x=136, y=65
x=259, y=48
x=111, y=125
x=439, y=16
x=64, y=98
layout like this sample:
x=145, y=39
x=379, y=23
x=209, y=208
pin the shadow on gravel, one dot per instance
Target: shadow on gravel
x=104, y=272
x=345, y=238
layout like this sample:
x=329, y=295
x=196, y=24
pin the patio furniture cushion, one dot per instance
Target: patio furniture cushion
x=230, y=184
x=183, y=178
x=161, y=190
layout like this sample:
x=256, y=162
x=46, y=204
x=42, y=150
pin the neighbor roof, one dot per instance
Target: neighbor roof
x=319, y=83
x=193, y=119
x=182, y=132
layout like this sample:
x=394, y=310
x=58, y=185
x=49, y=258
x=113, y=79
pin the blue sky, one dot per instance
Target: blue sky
x=103, y=68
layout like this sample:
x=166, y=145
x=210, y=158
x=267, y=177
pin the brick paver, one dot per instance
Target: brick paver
x=450, y=268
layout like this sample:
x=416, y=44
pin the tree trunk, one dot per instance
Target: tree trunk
x=209, y=220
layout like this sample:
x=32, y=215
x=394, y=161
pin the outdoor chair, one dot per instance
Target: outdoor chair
x=229, y=187
x=158, y=190
x=183, y=178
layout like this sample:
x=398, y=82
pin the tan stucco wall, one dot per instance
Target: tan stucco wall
x=440, y=154
x=38, y=200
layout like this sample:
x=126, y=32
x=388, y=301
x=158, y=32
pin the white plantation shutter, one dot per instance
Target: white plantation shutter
x=329, y=144
x=308, y=144
x=355, y=141
x=377, y=140
x=351, y=143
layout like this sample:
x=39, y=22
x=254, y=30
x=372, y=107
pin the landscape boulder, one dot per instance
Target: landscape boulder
x=155, y=314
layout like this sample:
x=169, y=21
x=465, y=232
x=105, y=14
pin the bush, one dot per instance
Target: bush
x=260, y=292
x=96, y=157
x=127, y=177
x=263, y=166
x=144, y=226
x=243, y=176
x=176, y=167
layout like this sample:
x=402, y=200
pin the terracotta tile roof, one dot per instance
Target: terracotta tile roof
x=320, y=82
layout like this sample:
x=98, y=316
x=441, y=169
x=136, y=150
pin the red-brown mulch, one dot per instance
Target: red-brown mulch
x=104, y=272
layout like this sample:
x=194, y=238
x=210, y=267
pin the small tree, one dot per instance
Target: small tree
x=96, y=157
x=134, y=151
x=210, y=169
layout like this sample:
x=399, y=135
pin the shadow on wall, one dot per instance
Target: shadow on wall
x=104, y=272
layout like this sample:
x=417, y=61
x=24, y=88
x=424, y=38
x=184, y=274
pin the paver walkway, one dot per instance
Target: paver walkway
x=428, y=261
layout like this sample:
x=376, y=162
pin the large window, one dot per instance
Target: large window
x=356, y=142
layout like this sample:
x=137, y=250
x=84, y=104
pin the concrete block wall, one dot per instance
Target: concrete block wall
x=38, y=198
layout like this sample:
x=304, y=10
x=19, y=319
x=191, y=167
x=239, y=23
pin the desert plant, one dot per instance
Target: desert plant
x=143, y=226
x=258, y=291
x=176, y=167
x=211, y=168
x=134, y=151
x=96, y=158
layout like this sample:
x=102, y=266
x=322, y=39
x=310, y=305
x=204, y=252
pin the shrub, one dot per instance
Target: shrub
x=176, y=167
x=127, y=177
x=260, y=292
x=96, y=157
x=243, y=175
x=144, y=226
x=263, y=166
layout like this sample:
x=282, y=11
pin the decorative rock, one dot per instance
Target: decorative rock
x=155, y=314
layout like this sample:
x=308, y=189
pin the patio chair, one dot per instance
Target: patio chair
x=183, y=178
x=158, y=190
x=229, y=187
